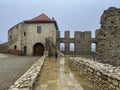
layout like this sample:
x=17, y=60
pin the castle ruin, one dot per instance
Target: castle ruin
x=107, y=38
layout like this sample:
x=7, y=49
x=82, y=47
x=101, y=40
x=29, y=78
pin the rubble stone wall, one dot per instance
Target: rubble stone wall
x=81, y=40
x=104, y=76
x=3, y=48
x=108, y=36
x=27, y=80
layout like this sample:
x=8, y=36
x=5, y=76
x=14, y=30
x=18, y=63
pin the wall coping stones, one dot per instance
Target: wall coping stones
x=26, y=81
x=104, y=76
x=106, y=69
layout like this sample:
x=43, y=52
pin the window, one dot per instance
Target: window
x=24, y=33
x=15, y=47
x=72, y=46
x=62, y=46
x=38, y=29
x=10, y=36
x=93, y=47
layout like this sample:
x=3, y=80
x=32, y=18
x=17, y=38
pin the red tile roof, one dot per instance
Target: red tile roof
x=40, y=18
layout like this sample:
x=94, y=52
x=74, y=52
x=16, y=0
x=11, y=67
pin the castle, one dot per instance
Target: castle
x=34, y=36
x=29, y=37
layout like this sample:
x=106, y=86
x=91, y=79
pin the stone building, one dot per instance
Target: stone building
x=33, y=37
x=108, y=36
x=30, y=36
x=81, y=42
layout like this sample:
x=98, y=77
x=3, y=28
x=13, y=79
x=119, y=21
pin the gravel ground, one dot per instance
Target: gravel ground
x=2, y=55
x=12, y=67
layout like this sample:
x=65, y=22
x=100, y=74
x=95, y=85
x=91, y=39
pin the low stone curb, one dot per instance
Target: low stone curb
x=28, y=79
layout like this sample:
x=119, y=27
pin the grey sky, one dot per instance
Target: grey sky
x=80, y=15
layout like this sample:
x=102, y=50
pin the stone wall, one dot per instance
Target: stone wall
x=25, y=35
x=103, y=76
x=27, y=80
x=48, y=30
x=81, y=40
x=3, y=48
x=14, y=37
x=108, y=36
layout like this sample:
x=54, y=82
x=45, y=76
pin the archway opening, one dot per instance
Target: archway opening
x=38, y=49
x=93, y=47
x=72, y=49
x=62, y=47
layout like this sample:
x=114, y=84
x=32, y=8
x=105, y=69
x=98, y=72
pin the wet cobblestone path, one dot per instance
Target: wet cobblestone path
x=56, y=75
x=12, y=67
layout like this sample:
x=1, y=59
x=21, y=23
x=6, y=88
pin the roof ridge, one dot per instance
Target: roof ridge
x=41, y=17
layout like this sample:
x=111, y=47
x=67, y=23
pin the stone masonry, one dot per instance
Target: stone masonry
x=108, y=36
x=82, y=41
x=30, y=35
x=24, y=36
x=3, y=48
x=103, y=76
x=27, y=80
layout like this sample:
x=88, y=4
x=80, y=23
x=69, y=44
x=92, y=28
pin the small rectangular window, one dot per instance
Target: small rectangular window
x=24, y=33
x=10, y=36
x=38, y=29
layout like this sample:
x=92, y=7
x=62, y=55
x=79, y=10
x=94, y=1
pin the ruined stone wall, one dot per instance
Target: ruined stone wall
x=28, y=79
x=103, y=76
x=3, y=48
x=82, y=41
x=108, y=36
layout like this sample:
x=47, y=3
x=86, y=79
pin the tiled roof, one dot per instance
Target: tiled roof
x=40, y=18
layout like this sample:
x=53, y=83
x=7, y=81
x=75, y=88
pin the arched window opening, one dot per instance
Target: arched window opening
x=15, y=47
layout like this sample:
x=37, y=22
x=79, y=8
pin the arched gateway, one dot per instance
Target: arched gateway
x=38, y=49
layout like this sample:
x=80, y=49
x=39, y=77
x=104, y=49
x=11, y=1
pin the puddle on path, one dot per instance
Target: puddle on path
x=56, y=75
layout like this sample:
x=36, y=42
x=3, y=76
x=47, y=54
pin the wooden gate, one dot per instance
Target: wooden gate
x=38, y=49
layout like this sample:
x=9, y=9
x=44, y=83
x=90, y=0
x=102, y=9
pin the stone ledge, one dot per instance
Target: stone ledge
x=105, y=76
x=27, y=80
x=106, y=69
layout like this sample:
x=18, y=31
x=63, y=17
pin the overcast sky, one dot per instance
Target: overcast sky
x=72, y=15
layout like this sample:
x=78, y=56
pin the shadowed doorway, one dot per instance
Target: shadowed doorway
x=38, y=49
x=25, y=50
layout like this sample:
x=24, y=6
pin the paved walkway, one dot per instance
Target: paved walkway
x=57, y=76
x=12, y=67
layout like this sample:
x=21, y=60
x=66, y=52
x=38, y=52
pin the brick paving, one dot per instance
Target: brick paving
x=12, y=67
